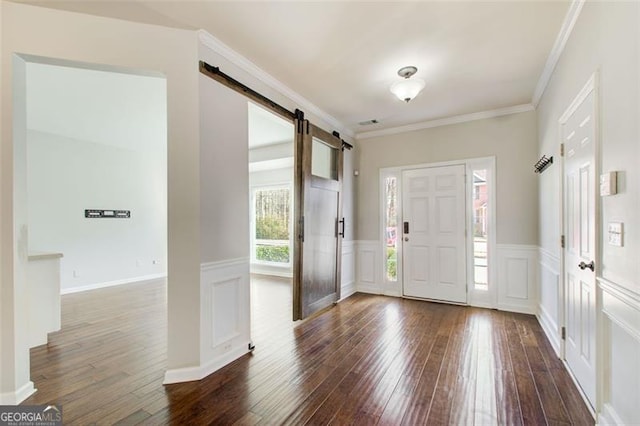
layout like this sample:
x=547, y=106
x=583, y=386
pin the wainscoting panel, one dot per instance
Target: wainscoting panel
x=224, y=318
x=517, y=273
x=549, y=296
x=621, y=354
x=348, y=273
x=367, y=266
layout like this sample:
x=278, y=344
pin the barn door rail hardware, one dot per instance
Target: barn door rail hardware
x=542, y=164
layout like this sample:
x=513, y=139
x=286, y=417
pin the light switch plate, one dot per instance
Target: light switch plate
x=615, y=234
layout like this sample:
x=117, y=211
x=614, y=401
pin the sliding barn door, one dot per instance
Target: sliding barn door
x=319, y=224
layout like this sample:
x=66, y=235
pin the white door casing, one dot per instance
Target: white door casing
x=434, y=250
x=578, y=133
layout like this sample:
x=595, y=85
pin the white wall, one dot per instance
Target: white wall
x=606, y=39
x=67, y=176
x=511, y=140
x=111, y=43
x=97, y=140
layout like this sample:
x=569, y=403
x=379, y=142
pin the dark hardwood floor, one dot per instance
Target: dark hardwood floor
x=369, y=360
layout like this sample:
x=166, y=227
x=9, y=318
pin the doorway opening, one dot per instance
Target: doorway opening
x=272, y=197
x=91, y=175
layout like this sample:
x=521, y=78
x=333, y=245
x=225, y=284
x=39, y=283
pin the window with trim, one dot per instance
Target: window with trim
x=272, y=225
x=480, y=229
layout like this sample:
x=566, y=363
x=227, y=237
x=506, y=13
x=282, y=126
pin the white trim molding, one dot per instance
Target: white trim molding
x=245, y=64
x=96, y=286
x=622, y=306
x=16, y=397
x=516, y=109
x=556, y=51
x=225, y=322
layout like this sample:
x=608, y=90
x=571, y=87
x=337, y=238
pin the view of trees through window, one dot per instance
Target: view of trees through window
x=391, y=224
x=480, y=200
x=272, y=213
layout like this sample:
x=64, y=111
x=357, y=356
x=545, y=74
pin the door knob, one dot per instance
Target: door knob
x=589, y=265
x=406, y=238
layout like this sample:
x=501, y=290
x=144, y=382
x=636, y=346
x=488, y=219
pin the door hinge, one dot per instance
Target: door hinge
x=563, y=332
x=562, y=243
x=561, y=150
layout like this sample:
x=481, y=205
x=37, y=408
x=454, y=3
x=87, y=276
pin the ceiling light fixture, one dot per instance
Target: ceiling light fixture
x=407, y=89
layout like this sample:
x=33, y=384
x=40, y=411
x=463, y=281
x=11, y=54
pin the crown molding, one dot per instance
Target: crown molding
x=447, y=121
x=245, y=64
x=558, y=47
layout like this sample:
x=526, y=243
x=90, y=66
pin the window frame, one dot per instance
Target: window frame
x=270, y=187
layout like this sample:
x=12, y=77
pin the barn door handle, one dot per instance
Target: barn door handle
x=589, y=265
x=342, y=222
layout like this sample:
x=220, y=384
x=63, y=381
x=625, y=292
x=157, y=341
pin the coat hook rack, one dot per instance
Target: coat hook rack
x=542, y=164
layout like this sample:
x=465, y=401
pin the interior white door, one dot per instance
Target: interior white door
x=434, y=251
x=578, y=134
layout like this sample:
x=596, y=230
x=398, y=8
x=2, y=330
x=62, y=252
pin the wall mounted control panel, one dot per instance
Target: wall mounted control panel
x=615, y=234
x=101, y=214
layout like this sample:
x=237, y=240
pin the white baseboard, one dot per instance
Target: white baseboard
x=347, y=290
x=392, y=293
x=517, y=309
x=190, y=374
x=369, y=289
x=550, y=328
x=608, y=416
x=19, y=395
x=112, y=283
x=481, y=304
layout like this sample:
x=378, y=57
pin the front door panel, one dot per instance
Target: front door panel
x=434, y=260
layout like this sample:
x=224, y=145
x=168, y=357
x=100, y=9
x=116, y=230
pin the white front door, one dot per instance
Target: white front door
x=434, y=251
x=578, y=136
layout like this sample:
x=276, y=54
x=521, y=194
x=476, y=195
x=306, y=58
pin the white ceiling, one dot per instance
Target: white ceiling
x=343, y=55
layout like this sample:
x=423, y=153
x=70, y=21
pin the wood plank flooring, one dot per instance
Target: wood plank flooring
x=369, y=360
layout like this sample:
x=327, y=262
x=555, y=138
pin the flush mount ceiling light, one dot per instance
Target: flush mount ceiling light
x=407, y=89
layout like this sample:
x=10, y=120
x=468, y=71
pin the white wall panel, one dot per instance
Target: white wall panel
x=368, y=267
x=549, y=296
x=621, y=354
x=517, y=275
x=348, y=274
